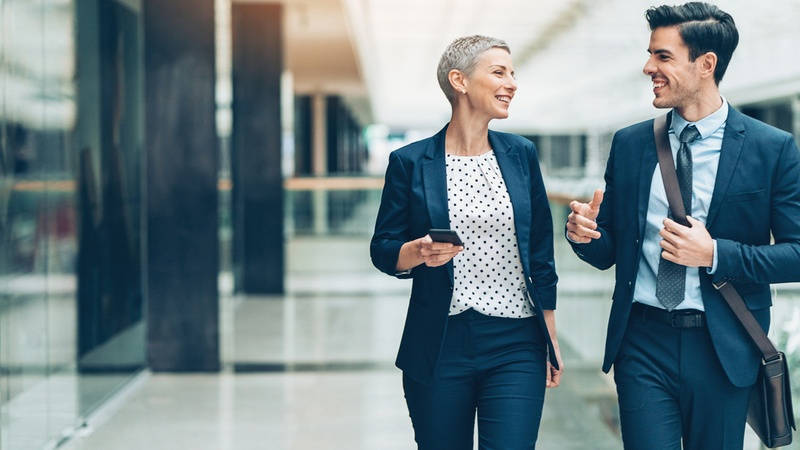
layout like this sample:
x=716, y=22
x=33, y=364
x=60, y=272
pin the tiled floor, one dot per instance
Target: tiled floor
x=326, y=410
x=323, y=376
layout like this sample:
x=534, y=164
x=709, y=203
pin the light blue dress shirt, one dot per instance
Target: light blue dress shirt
x=705, y=159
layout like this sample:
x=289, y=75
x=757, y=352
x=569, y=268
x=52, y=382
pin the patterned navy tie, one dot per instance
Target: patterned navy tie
x=671, y=279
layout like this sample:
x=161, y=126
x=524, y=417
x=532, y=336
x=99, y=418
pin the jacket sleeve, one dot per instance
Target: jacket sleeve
x=391, y=227
x=543, y=267
x=776, y=263
x=601, y=253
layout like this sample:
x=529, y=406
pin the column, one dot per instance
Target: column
x=256, y=147
x=182, y=252
x=319, y=160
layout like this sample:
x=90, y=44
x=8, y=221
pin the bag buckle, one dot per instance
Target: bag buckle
x=778, y=358
x=719, y=286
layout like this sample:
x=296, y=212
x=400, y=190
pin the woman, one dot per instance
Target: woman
x=473, y=339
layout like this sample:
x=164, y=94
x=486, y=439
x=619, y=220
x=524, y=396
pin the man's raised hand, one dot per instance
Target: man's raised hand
x=581, y=225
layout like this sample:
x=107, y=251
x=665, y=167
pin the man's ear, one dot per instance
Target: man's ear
x=457, y=80
x=707, y=64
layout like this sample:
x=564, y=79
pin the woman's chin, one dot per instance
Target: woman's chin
x=501, y=114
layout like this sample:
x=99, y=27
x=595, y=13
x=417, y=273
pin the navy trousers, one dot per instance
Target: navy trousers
x=493, y=365
x=672, y=388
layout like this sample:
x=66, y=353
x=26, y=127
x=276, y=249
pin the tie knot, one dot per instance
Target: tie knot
x=689, y=134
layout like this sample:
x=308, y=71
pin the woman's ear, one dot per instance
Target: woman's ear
x=458, y=81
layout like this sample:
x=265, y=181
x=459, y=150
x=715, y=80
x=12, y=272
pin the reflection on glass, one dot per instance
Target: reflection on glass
x=70, y=150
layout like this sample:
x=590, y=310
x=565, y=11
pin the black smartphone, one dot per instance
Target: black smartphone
x=439, y=235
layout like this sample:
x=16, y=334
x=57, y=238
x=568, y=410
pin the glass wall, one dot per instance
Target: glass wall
x=71, y=329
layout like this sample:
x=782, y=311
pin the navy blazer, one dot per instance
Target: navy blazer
x=414, y=200
x=756, y=193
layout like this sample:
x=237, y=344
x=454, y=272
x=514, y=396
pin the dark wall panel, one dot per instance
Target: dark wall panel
x=108, y=141
x=302, y=135
x=182, y=165
x=257, y=195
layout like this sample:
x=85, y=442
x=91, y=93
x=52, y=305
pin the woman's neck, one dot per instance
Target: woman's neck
x=467, y=136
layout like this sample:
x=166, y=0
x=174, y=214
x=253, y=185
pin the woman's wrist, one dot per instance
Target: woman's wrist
x=409, y=256
x=550, y=321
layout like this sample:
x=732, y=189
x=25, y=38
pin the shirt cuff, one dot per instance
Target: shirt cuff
x=713, y=267
x=566, y=235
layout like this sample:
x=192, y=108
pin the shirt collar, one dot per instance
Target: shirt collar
x=706, y=126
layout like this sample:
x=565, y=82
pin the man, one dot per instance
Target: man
x=683, y=364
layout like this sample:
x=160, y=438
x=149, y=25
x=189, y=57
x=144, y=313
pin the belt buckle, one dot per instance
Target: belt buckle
x=691, y=320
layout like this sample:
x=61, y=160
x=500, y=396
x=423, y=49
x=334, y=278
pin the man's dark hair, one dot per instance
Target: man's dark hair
x=703, y=27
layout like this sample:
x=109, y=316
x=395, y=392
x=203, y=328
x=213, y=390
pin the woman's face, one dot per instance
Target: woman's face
x=491, y=85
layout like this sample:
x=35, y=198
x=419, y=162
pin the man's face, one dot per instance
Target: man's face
x=676, y=80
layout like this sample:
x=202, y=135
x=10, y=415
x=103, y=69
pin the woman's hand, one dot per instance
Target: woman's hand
x=425, y=251
x=435, y=254
x=553, y=375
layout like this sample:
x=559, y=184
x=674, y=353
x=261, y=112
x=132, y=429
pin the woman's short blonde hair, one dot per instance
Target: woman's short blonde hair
x=462, y=55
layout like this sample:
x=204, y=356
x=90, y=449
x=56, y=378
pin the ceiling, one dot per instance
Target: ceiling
x=578, y=62
x=319, y=49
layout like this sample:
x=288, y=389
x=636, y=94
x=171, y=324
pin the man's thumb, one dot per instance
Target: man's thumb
x=596, y=200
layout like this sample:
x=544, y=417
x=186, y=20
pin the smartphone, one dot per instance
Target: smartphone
x=439, y=235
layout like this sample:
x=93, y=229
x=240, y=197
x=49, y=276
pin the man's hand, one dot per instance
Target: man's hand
x=581, y=225
x=690, y=247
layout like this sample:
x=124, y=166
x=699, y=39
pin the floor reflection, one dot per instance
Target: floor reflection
x=314, y=369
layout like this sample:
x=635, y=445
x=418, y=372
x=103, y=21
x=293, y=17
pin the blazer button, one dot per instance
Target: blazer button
x=630, y=283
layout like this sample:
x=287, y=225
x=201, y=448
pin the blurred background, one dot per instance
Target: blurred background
x=188, y=189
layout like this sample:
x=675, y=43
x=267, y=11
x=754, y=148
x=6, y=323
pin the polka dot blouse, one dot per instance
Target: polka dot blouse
x=488, y=273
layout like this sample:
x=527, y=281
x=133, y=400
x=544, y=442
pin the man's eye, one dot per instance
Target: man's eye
x=498, y=72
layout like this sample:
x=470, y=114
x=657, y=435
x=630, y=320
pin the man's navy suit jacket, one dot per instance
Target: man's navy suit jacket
x=756, y=194
x=414, y=200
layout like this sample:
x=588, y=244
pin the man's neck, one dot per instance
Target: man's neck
x=706, y=104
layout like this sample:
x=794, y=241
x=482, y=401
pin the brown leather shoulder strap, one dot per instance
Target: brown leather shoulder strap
x=667, y=164
x=735, y=302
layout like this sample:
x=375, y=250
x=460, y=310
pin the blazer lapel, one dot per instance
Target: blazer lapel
x=728, y=159
x=647, y=167
x=516, y=180
x=434, y=181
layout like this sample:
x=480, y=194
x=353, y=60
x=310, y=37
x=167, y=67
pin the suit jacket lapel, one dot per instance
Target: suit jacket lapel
x=728, y=159
x=516, y=180
x=434, y=180
x=647, y=166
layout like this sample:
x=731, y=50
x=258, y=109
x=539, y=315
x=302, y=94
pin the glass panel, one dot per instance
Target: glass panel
x=71, y=328
x=26, y=146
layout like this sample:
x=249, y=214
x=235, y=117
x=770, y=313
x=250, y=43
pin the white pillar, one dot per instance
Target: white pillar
x=319, y=161
x=319, y=138
x=594, y=163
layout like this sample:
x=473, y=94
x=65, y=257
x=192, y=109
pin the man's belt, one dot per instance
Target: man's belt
x=679, y=318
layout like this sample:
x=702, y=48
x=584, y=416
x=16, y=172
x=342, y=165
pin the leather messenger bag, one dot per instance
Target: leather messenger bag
x=770, y=412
